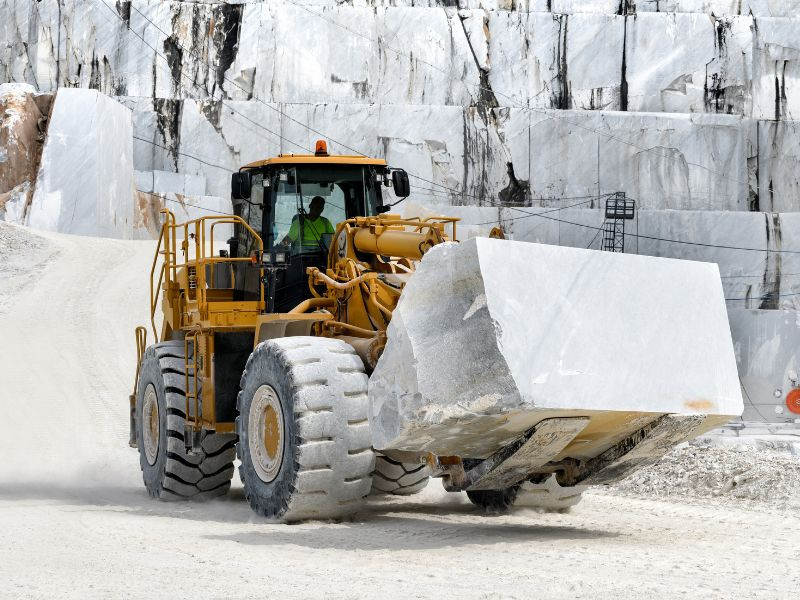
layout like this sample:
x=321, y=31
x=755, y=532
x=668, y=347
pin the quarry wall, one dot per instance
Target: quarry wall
x=689, y=107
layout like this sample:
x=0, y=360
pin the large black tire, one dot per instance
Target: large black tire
x=398, y=478
x=494, y=501
x=169, y=472
x=314, y=459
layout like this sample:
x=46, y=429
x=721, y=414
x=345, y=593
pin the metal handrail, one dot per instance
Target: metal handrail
x=196, y=230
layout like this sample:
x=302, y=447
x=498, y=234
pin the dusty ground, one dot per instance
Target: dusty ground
x=75, y=521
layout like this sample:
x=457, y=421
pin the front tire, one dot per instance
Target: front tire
x=169, y=472
x=304, y=439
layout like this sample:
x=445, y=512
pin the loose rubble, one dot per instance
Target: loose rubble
x=742, y=474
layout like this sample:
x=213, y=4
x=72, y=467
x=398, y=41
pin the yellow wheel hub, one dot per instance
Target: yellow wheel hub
x=265, y=433
x=272, y=433
x=150, y=425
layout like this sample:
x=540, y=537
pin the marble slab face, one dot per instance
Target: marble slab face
x=85, y=182
x=776, y=69
x=674, y=56
x=488, y=329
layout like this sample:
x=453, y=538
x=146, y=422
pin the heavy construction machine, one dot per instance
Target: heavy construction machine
x=268, y=340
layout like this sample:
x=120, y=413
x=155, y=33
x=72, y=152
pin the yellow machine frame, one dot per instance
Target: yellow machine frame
x=372, y=256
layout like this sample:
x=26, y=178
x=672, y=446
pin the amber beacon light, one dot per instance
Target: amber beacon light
x=793, y=401
x=321, y=148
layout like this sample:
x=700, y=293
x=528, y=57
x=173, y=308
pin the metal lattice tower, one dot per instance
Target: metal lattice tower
x=618, y=210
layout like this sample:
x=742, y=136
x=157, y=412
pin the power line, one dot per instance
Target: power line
x=640, y=236
x=197, y=158
x=183, y=203
x=530, y=214
x=747, y=395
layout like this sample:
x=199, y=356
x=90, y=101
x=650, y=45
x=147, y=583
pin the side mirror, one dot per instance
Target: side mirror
x=240, y=185
x=400, y=183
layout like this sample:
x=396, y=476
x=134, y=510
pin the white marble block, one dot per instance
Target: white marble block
x=85, y=183
x=488, y=331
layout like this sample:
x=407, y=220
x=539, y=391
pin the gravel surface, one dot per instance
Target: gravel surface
x=76, y=522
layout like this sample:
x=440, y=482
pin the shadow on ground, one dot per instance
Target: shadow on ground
x=383, y=524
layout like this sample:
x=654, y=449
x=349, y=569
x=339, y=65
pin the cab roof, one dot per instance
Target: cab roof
x=316, y=159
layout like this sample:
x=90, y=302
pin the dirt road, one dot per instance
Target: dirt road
x=75, y=520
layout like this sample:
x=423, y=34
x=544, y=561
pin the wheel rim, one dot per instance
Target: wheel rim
x=265, y=433
x=151, y=427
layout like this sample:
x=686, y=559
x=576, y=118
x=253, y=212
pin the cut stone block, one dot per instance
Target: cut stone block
x=491, y=336
x=85, y=183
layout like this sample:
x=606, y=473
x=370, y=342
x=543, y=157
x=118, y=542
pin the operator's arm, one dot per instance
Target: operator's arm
x=294, y=232
x=328, y=227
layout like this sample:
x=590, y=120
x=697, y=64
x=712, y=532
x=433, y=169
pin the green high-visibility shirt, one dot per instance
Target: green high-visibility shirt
x=312, y=230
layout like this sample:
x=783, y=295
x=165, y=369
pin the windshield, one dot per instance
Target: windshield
x=309, y=201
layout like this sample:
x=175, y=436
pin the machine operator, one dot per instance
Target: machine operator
x=314, y=225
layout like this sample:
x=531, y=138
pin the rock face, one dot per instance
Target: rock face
x=22, y=123
x=579, y=331
x=478, y=90
x=85, y=183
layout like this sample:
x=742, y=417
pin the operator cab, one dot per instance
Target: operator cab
x=295, y=203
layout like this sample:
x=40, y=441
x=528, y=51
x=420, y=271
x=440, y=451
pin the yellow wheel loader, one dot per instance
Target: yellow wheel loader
x=318, y=345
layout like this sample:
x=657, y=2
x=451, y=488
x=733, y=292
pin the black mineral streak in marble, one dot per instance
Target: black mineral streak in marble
x=487, y=100
x=626, y=7
x=227, y=23
x=95, y=78
x=517, y=192
x=753, y=165
x=168, y=121
x=124, y=11
x=174, y=55
x=561, y=93
x=770, y=298
x=623, y=85
x=718, y=97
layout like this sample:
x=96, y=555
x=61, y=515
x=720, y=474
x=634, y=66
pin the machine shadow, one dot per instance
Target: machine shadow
x=381, y=525
x=382, y=533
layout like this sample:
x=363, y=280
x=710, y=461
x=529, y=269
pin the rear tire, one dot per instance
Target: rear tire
x=304, y=439
x=494, y=501
x=169, y=472
x=398, y=478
